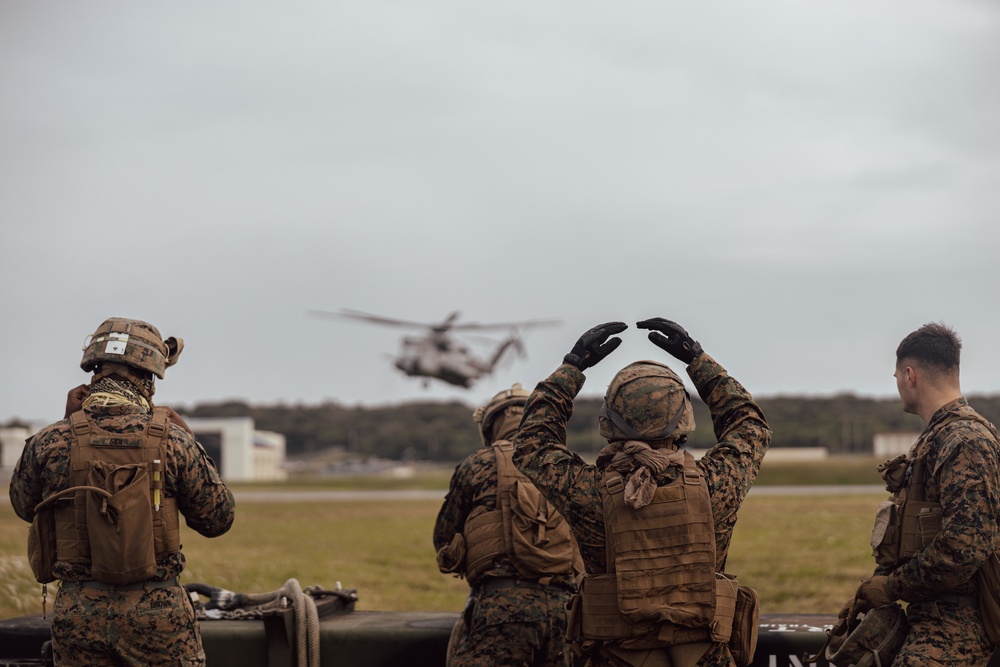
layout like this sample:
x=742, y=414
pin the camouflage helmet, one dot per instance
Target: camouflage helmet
x=131, y=342
x=487, y=415
x=646, y=401
x=867, y=639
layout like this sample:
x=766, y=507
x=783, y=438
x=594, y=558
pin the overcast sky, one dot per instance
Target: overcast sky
x=798, y=184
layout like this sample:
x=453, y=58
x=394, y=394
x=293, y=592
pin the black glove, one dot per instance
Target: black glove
x=595, y=345
x=676, y=341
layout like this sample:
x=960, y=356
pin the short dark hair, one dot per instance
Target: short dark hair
x=935, y=345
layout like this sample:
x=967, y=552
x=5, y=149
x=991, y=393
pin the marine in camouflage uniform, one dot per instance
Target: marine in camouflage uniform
x=960, y=457
x=508, y=620
x=153, y=622
x=573, y=486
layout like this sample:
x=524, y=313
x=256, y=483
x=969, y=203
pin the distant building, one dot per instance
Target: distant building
x=888, y=445
x=241, y=453
x=11, y=445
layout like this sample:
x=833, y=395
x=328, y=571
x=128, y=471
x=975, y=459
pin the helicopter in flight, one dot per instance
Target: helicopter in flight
x=437, y=354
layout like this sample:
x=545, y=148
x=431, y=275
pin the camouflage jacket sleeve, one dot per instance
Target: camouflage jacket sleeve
x=743, y=436
x=205, y=501
x=964, y=474
x=457, y=505
x=561, y=475
x=44, y=463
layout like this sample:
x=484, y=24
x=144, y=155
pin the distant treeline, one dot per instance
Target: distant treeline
x=436, y=431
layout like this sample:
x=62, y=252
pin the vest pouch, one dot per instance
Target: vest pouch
x=120, y=528
x=921, y=522
x=42, y=545
x=540, y=538
x=746, y=623
x=884, y=540
x=166, y=529
x=721, y=627
x=451, y=557
x=893, y=472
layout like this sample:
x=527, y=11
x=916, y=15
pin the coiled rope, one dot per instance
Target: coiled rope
x=226, y=604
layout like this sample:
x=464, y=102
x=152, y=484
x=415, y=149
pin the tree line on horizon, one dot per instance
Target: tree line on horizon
x=445, y=432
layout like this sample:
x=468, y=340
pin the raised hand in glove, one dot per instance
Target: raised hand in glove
x=873, y=591
x=594, y=345
x=671, y=337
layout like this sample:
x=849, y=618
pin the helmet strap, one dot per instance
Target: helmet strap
x=630, y=433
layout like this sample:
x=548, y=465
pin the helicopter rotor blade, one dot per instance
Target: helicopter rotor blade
x=523, y=324
x=347, y=313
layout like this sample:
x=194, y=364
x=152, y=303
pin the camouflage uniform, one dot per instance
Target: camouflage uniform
x=150, y=626
x=962, y=460
x=574, y=486
x=521, y=625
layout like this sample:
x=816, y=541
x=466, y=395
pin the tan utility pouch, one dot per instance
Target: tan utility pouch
x=451, y=557
x=885, y=534
x=120, y=527
x=540, y=538
x=534, y=533
x=746, y=620
x=721, y=627
x=921, y=522
x=42, y=542
x=988, y=578
x=42, y=545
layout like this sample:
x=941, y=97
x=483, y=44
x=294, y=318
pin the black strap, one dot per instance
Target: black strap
x=630, y=433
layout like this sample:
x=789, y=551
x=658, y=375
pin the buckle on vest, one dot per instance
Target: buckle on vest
x=81, y=427
x=615, y=484
x=158, y=425
x=692, y=476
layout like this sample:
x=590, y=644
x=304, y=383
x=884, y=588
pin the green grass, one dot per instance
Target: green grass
x=837, y=470
x=802, y=554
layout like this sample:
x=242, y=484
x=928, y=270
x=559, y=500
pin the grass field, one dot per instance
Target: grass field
x=803, y=554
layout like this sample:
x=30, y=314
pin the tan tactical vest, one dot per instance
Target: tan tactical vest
x=112, y=523
x=908, y=522
x=525, y=528
x=661, y=588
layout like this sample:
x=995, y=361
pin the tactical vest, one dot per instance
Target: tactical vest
x=908, y=522
x=661, y=588
x=524, y=527
x=112, y=523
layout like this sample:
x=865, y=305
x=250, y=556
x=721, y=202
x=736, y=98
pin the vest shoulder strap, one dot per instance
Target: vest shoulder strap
x=506, y=474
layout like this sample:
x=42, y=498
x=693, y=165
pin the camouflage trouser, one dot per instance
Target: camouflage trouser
x=516, y=626
x=143, y=627
x=944, y=634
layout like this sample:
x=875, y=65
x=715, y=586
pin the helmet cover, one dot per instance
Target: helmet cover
x=487, y=415
x=651, y=401
x=131, y=342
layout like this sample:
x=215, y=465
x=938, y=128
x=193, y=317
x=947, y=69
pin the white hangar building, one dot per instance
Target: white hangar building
x=241, y=453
